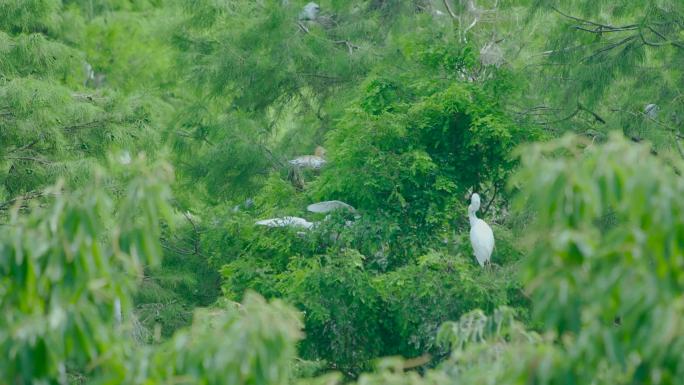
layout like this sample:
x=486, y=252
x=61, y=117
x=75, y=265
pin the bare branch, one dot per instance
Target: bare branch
x=603, y=27
x=196, y=237
x=611, y=46
x=29, y=158
x=448, y=8
x=24, y=147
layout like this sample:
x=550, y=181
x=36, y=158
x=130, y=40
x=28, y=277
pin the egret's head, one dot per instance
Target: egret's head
x=474, y=202
x=310, y=11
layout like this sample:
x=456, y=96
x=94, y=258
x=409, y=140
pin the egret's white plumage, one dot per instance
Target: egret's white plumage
x=328, y=206
x=315, y=161
x=481, y=235
x=310, y=11
x=125, y=157
x=286, y=222
x=308, y=161
x=651, y=110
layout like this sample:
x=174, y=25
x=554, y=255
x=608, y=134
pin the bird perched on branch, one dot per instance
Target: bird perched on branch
x=651, y=110
x=310, y=12
x=315, y=161
x=481, y=235
x=328, y=206
x=286, y=222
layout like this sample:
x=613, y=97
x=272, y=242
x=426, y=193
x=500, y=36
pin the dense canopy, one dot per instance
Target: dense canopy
x=276, y=191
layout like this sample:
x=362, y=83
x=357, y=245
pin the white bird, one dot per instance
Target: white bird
x=328, y=206
x=651, y=110
x=308, y=161
x=89, y=73
x=286, y=222
x=315, y=161
x=249, y=202
x=481, y=235
x=310, y=11
x=125, y=157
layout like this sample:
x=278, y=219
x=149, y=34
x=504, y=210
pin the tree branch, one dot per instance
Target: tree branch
x=602, y=27
x=594, y=114
x=196, y=239
x=448, y=8
x=29, y=158
x=26, y=197
x=24, y=147
x=611, y=46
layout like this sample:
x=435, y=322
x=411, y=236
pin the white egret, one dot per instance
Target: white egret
x=651, y=110
x=310, y=11
x=125, y=157
x=286, y=222
x=481, y=235
x=328, y=206
x=249, y=203
x=315, y=161
x=89, y=73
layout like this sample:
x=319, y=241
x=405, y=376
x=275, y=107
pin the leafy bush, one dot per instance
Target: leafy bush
x=63, y=267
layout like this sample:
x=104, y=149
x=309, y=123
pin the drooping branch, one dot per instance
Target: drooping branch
x=24, y=147
x=30, y=159
x=611, y=46
x=598, y=118
x=86, y=125
x=196, y=233
x=351, y=47
x=496, y=190
x=24, y=198
x=449, y=10
x=599, y=27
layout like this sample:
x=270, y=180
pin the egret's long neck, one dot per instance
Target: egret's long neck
x=471, y=216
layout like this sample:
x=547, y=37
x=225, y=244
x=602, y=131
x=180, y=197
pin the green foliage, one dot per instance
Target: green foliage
x=587, y=272
x=253, y=349
x=439, y=288
x=343, y=311
x=606, y=61
x=28, y=15
x=63, y=266
x=416, y=140
x=417, y=103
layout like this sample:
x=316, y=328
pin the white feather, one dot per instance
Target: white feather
x=651, y=110
x=286, y=222
x=482, y=240
x=481, y=235
x=308, y=161
x=327, y=206
x=310, y=11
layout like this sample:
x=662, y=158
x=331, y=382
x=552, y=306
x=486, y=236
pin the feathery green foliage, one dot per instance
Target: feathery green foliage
x=113, y=272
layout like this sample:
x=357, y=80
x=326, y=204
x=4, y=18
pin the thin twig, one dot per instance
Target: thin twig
x=29, y=158
x=679, y=147
x=594, y=114
x=611, y=46
x=448, y=8
x=496, y=190
x=90, y=124
x=26, y=197
x=302, y=27
x=589, y=22
x=196, y=238
x=24, y=147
